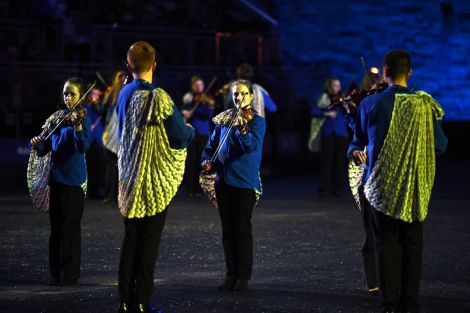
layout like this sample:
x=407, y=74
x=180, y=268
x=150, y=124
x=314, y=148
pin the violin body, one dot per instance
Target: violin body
x=244, y=117
x=204, y=98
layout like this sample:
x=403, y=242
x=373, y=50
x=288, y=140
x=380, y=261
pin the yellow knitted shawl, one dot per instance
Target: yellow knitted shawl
x=401, y=181
x=150, y=172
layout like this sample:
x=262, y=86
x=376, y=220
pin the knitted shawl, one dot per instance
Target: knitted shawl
x=401, y=180
x=150, y=172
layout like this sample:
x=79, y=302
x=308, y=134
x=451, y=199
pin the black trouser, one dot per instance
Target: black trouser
x=235, y=209
x=111, y=176
x=65, y=213
x=333, y=163
x=138, y=257
x=368, y=248
x=193, y=163
x=399, y=250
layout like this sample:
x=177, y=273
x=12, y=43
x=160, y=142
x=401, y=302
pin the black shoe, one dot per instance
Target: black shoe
x=143, y=308
x=241, y=285
x=390, y=311
x=54, y=281
x=228, y=284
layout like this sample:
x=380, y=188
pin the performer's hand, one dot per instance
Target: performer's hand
x=331, y=114
x=186, y=114
x=360, y=157
x=206, y=165
x=76, y=120
x=241, y=125
x=36, y=141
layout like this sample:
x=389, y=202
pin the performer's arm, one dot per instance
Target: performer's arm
x=211, y=145
x=360, y=140
x=254, y=136
x=269, y=104
x=121, y=108
x=318, y=109
x=179, y=134
x=81, y=136
x=351, y=120
x=440, y=139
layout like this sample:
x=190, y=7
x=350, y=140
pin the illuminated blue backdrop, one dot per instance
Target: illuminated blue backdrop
x=328, y=37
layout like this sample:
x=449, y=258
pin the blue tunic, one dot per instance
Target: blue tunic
x=239, y=161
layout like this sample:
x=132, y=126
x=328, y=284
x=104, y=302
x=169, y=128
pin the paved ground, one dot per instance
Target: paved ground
x=307, y=255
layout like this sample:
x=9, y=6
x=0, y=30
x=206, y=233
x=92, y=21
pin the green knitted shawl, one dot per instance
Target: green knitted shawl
x=150, y=171
x=401, y=181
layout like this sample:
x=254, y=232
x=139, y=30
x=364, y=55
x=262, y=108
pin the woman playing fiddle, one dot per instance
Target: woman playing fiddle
x=67, y=145
x=238, y=184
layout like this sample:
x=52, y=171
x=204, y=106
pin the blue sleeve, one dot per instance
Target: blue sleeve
x=269, y=104
x=440, y=139
x=360, y=140
x=211, y=145
x=81, y=139
x=351, y=120
x=254, y=136
x=179, y=134
x=121, y=107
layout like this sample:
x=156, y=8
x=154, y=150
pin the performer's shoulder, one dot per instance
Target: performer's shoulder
x=224, y=117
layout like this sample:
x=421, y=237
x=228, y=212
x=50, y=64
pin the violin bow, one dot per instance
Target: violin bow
x=366, y=71
x=70, y=110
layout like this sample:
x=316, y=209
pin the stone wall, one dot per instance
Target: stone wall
x=321, y=38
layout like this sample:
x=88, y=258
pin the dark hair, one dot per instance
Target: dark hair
x=195, y=78
x=398, y=63
x=76, y=81
x=242, y=82
x=245, y=71
x=141, y=56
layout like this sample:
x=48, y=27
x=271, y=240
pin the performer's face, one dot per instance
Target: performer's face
x=198, y=86
x=71, y=94
x=335, y=86
x=241, y=96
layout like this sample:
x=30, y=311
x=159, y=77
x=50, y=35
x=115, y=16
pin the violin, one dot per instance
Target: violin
x=204, y=98
x=354, y=98
x=246, y=115
x=222, y=91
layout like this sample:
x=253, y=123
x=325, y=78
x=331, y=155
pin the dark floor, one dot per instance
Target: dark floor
x=307, y=255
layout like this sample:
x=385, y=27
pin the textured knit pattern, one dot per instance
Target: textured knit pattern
x=356, y=177
x=110, y=134
x=150, y=172
x=401, y=181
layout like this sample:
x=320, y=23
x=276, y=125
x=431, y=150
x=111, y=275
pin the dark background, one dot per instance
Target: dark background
x=293, y=45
